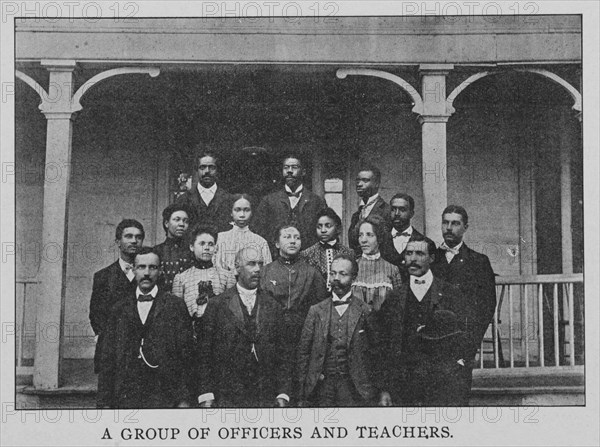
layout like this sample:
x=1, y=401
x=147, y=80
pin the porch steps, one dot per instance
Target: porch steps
x=550, y=386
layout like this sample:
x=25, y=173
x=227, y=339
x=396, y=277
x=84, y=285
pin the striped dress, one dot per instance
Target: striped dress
x=376, y=277
x=232, y=241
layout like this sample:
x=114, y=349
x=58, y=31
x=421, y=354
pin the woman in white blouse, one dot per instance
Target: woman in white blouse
x=240, y=236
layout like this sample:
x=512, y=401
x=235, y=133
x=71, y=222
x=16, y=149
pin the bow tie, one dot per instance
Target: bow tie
x=326, y=245
x=142, y=298
x=341, y=302
x=405, y=233
x=128, y=268
x=452, y=250
x=294, y=194
x=420, y=281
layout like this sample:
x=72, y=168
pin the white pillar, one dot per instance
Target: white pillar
x=433, y=127
x=50, y=304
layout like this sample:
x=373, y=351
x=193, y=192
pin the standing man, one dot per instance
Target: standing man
x=470, y=272
x=402, y=210
x=115, y=281
x=211, y=203
x=368, y=180
x=423, y=337
x=291, y=281
x=244, y=353
x=293, y=205
x=174, y=252
x=148, y=349
x=335, y=350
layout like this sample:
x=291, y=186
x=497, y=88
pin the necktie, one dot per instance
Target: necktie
x=405, y=233
x=293, y=194
x=249, y=301
x=363, y=207
x=147, y=297
x=452, y=250
x=341, y=302
x=420, y=281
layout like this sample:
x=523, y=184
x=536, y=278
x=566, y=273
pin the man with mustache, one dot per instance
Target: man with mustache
x=472, y=274
x=368, y=181
x=148, y=347
x=245, y=354
x=335, y=353
x=424, y=337
x=174, y=253
x=210, y=202
x=115, y=281
x=293, y=205
x=402, y=210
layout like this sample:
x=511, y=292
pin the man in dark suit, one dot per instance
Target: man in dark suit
x=402, y=210
x=293, y=205
x=245, y=356
x=115, y=281
x=423, y=336
x=368, y=181
x=211, y=203
x=148, y=348
x=470, y=272
x=335, y=349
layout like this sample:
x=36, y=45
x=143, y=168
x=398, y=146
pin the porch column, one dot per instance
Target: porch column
x=50, y=305
x=433, y=127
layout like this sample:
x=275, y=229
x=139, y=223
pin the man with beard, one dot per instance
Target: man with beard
x=244, y=358
x=368, y=181
x=115, y=281
x=336, y=347
x=424, y=337
x=293, y=205
x=472, y=274
x=211, y=203
x=174, y=252
x=402, y=210
x=148, y=349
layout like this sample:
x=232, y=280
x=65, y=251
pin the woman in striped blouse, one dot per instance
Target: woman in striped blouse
x=240, y=236
x=376, y=277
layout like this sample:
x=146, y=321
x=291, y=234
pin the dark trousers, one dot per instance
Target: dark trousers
x=436, y=383
x=337, y=390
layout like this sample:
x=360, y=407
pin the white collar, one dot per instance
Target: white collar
x=409, y=230
x=212, y=189
x=124, y=264
x=298, y=189
x=246, y=292
x=153, y=292
x=241, y=230
x=427, y=277
x=371, y=199
x=452, y=249
x=374, y=257
x=344, y=298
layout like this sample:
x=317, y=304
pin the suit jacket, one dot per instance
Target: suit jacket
x=218, y=211
x=381, y=208
x=274, y=211
x=391, y=255
x=224, y=340
x=390, y=322
x=313, y=347
x=474, y=278
x=110, y=284
x=168, y=343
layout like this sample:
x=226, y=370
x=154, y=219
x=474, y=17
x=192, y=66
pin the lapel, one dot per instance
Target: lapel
x=283, y=198
x=157, y=307
x=461, y=258
x=379, y=203
x=117, y=279
x=304, y=199
x=215, y=203
x=435, y=294
x=354, y=313
x=236, y=309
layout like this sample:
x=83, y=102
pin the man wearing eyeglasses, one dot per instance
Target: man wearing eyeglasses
x=210, y=202
x=293, y=205
x=148, y=346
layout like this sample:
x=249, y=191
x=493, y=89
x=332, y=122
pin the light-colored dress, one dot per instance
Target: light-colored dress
x=232, y=241
x=185, y=285
x=376, y=278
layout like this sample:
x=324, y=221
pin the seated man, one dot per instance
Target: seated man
x=334, y=354
x=147, y=347
x=244, y=355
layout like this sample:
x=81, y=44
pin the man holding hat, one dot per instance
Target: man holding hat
x=424, y=339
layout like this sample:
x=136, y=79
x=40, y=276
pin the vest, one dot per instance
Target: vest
x=338, y=339
x=416, y=314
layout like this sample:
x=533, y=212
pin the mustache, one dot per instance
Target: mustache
x=413, y=264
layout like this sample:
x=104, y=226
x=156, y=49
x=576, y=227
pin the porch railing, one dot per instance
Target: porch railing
x=534, y=323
